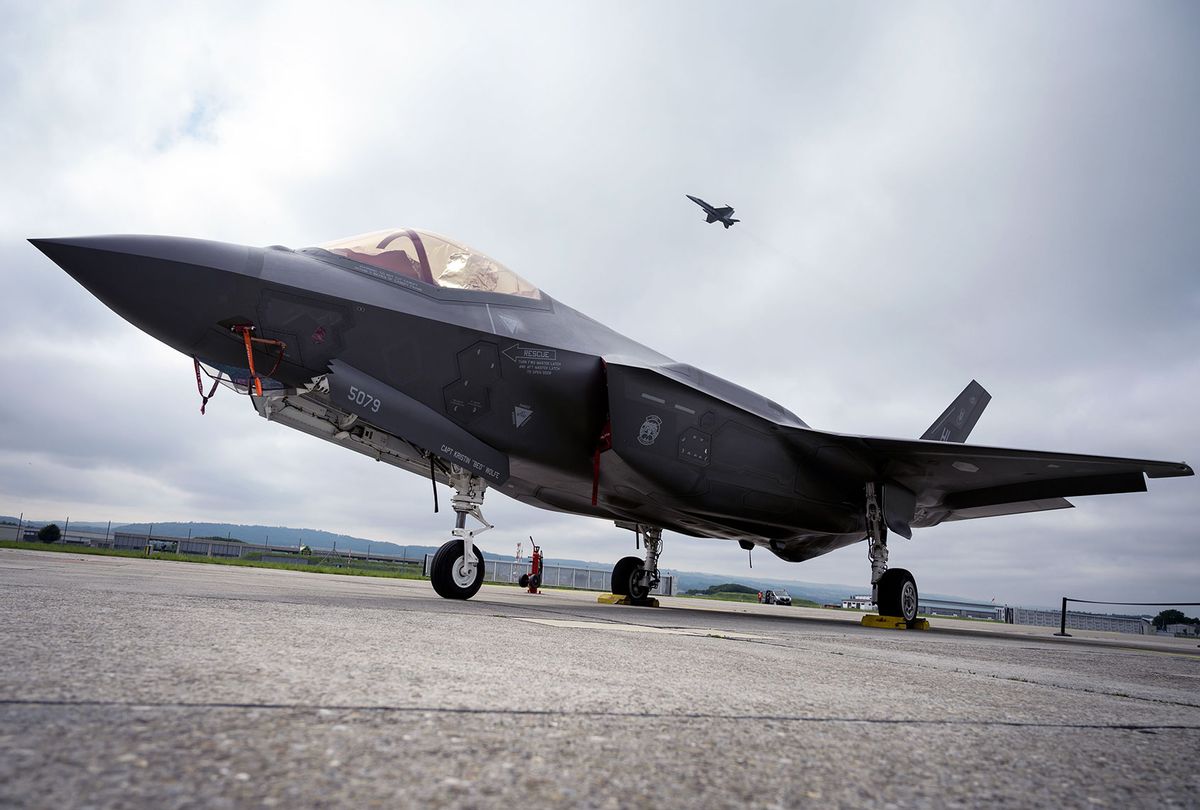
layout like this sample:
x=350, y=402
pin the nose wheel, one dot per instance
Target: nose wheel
x=456, y=571
x=451, y=574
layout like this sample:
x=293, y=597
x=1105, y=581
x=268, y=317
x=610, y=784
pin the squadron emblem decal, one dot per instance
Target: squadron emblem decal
x=648, y=432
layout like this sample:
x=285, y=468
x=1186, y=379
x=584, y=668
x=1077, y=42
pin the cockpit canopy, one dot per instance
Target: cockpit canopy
x=432, y=259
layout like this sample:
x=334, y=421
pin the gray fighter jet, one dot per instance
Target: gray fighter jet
x=724, y=214
x=416, y=350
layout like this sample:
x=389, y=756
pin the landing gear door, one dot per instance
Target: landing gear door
x=899, y=507
x=394, y=412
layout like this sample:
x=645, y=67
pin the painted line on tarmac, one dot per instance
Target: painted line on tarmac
x=641, y=628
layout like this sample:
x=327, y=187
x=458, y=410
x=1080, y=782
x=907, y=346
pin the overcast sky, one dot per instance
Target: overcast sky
x=928, y=193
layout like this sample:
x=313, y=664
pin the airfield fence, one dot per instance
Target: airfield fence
x=1072, y=619
x=495, y=571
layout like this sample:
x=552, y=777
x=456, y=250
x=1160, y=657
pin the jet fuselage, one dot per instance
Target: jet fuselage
x=531, y=378
x=474, y=367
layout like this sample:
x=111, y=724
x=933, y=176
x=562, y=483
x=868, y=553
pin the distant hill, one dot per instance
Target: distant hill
x=270, y=535
x=819, y=592
x=315, y=539
x=86, y=526
x=726, y=587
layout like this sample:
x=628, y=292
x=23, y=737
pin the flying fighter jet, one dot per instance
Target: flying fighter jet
x=416, y=350
x=724, y=215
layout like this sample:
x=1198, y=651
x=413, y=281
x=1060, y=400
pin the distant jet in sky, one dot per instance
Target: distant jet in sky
x=724, y=215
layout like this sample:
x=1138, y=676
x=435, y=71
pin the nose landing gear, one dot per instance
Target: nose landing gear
x=457, y=568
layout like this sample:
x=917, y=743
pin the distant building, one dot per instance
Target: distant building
x=938, y=607
x=1182, y=630
x=960, y=609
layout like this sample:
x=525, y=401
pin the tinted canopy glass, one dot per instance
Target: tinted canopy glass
x=433, y=259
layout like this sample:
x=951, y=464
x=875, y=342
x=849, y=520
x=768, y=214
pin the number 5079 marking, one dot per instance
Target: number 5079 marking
x=363, y=399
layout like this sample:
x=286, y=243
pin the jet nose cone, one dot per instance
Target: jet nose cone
x=55, y=249
x=85, y=255
x=76, y=255
x=173, y=288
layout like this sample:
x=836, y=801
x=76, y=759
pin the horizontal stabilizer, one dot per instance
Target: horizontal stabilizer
x=1014, y=508
x=956, y=422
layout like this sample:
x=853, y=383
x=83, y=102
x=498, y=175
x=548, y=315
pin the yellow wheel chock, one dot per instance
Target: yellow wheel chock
x=893, y=622
x=617, y=599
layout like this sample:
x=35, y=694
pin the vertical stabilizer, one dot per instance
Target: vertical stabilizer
x=957, y=421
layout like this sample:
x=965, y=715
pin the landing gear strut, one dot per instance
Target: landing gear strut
x=634, y=577
x=894, y=590
x=457, y=568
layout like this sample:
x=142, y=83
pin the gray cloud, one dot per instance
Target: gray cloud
x=928, y=193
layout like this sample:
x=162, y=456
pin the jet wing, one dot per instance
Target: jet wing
x=958, y=482
x=723, y=211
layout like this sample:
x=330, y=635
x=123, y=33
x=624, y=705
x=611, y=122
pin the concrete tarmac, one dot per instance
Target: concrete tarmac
x=141, y=683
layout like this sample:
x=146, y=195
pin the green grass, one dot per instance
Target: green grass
x=724, y=596
x=359, y=569
x=70, y=549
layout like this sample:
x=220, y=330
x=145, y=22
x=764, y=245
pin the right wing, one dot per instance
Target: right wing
x=958, y=481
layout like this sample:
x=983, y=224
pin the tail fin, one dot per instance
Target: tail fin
x=957, y=421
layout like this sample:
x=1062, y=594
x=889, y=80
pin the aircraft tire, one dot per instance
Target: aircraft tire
x=523, y=581
x=898, y=594
x=637, y=591
x=443, y=572
x=622, y=574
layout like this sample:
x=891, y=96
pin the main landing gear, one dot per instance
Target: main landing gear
x=634, y=577
x=893, y=590
x=457, y=568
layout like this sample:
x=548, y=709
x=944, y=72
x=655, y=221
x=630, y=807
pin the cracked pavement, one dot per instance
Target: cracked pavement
x=133, y=683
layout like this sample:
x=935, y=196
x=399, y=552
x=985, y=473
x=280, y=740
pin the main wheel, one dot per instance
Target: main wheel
x=638, y=589
x=622, y=574
x=898, y=594
x=447, y=574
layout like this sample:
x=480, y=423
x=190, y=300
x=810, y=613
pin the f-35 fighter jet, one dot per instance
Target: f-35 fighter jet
x=724, y=214
x=419, y=351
